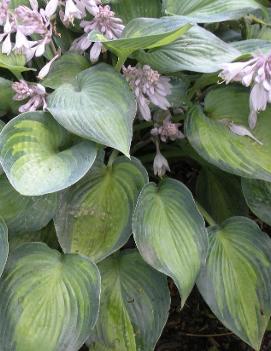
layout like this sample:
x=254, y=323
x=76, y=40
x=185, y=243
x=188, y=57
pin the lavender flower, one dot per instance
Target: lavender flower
x=256, y=73
x=35, y=92
x=3, y=11
x=104, y=22
x=168, y=130
x=78, y=9
x=7, y=20
x=34, y=21
x=149, y=87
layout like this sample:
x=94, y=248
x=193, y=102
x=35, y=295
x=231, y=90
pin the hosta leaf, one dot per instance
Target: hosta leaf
x=25, y=213
x=46, y=235
x=97, y=105
x=220, y=194
x=252, y=46
x=258, y=197
x=197, y=50
x=14, y=62
x=65, y=69
x=170, y=233
x=4, y=246
x=144, y=33
x=94, y=216
x=48, y=301
x=134, y=305
x=130, y=9
x=236, y=281
x=211, y=11
x=40, y=157
x=213, y=140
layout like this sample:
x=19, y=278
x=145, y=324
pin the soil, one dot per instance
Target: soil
x=195, y=328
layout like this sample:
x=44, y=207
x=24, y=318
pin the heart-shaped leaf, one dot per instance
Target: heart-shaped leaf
x=236, y=281
x=98, y=105
x=4, y=246
x=130, y=9
x=216, y=143
x=25, y=213
x=170, y=232
x=40, y=157
x=258, y=197
x=94, y=216
x=220, y=194
x=48, y=301
x=144, y=33
x=197, y=50
x=205, y=11
x=65, y=69
x=134, y=305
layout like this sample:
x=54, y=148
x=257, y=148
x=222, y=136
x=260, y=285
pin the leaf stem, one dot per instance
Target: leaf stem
x=112, y=158
x=208, y=218
x=120, y=63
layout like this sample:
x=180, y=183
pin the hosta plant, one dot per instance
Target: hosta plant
x=135, y=151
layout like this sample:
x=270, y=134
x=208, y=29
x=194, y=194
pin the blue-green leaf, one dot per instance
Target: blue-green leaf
x=134, y=305
x=236, y=281
x=48, y=301
x=197, y=50
x=94, y=216
x=205, y=11
x=258, y=197
x=40, y=157
x=97, y=105
x=170, y=232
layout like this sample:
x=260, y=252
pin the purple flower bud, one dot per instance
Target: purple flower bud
x=168, y=130
x=160, y=164
x=242, y=131
x=149, y=87
x=35, y=92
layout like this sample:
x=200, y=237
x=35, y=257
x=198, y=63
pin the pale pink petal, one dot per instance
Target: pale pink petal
x=51, y=7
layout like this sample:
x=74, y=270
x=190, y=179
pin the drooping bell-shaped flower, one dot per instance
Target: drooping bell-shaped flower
x=104, y=22
x=160, y=164
x=36, y=94
x=149, y=87
x=256, y=73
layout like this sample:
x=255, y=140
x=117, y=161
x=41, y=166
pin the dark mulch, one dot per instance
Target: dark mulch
x=195, y=328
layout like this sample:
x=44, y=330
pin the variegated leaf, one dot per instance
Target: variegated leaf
x=170, y=232
x=236, y=281
x=94, y=216
x=48, y=301
x=134, y=305
x=40, y=157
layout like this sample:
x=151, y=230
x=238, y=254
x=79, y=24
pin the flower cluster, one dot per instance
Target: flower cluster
x=22, y=24
x=255, y=73
x=149, y=87
x=104, y=22
x=36, y=94
x=168, y=130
